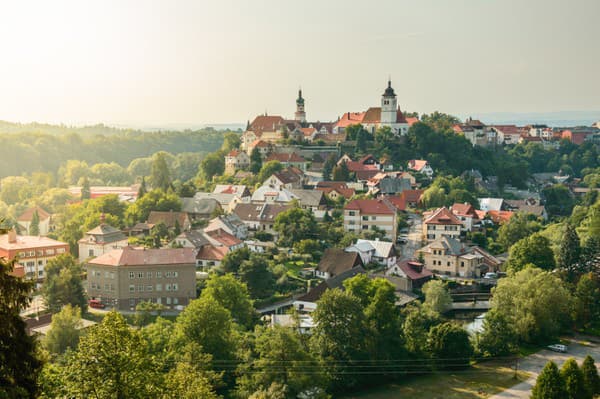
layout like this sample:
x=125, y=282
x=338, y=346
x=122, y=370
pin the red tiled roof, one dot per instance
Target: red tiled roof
x=463, y=210
x=414, y=270
x=259, y=143
x=373, y=115
x=442, y=216
x=27, y=216
x=480, y=214
x=223, y=237
x=308, y=131
x=130, y=256
x=507, y=129
x=210, y=252
x=234, y=153
x=28, y=242
x=398, y=201
x=411, y=121
x=267, y=123
x=370, y=206
x=412, y=195
x=350, y=118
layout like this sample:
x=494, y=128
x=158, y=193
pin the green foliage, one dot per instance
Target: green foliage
x=533, y=250
x=231, y=141
x=437, y=297
x=449, y=346
x=86, y=193
x=573, y=380
x=143, y=312
x=549, y=384
x=591, y=380
x=294, y=225
x=34, y=227
x=418, y=320
x=309, y=246
x=341, y=172
x=64, y=285
x=258, y=277
x=160, y=177
x=64, y=330
x=534, y=302
x=519, y=226
x=268, y=169
x=439, y=121
x=19, y=365
x=155, y=200
x=233, y=295
x=569, y=252
x=212, y=165
x=559, y=201
x=233, y=259
x=498, y=337
x=587, y=300
x=255, y=161
x=328, y=167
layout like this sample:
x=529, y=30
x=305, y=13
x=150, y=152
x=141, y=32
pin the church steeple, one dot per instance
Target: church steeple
x=388, y=105
x=300, y=115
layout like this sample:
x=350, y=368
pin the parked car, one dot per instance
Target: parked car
x=95, y=303
x=490, y=275
x=401, y=240
x=558, y=348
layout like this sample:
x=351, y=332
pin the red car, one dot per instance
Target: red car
x=95, y=303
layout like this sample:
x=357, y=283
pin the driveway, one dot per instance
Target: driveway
x=533, y=364
x=414, y=237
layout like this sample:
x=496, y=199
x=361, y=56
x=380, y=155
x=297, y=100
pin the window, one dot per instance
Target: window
x=91, y=252
x=131, y=275
x=158, y=274
x=167, y=274
x=462, y=264
x=365, y=218
x=149, y=288
x=60, y=251
x=49, y=252
x=352, y=213
x=40, y=273
x=132, y=302
x=40, y=262
x=175, y=301
x=112, y=275
x=40, y=253
x=148, y=274
x=175, y=274
x=448, y=263
x=365, y=227
x=106, y=287
x=373, y=217
x=158, y=287
x=168, y=300
x=140, y=288
x=21, y=254
x=131, y=288
x=168, y=287
x=140, y=274
x=175, y=287
x=106, y=274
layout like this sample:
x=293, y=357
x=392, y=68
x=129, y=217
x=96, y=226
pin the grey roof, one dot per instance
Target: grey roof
x=222, y=198
x=195, y=237
x=453, y=246
x=259, y=212
x=104, y=233
x=336, y=261
x=309, y=197
x=390, y=185
x=203, y=206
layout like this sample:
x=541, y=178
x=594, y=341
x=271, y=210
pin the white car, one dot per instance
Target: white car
x=558, y=348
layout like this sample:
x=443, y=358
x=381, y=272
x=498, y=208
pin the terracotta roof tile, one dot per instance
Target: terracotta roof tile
x=130, y=256
x=370, y=207
x=442, y=216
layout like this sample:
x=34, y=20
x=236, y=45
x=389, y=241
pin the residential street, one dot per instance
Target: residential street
x=414, y=237
x=533, y=364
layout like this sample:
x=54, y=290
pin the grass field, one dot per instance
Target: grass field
x=481, y=381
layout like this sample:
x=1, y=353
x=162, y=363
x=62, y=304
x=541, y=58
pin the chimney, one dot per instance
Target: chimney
x=12, y=236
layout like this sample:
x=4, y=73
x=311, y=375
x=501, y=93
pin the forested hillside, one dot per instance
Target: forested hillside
x=31, y=148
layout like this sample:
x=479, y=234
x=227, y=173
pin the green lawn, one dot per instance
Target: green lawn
x=481, y=381
x=295, y=266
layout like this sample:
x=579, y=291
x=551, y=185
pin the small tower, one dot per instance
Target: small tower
x=388, y=105
x=300, y=115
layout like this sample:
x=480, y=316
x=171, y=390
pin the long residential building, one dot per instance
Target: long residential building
x=32, y=253
x=125, y=277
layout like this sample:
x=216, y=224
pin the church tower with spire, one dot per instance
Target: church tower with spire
x=300, y=115
x=388, y=105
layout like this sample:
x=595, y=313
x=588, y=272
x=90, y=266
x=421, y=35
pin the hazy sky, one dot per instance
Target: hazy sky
x=219, y=61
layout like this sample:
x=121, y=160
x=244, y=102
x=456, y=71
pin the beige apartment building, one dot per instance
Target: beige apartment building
x=368, y=214
x=122, y=278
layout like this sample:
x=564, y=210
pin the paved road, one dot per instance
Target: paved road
x=533, y=364
x=414, y=237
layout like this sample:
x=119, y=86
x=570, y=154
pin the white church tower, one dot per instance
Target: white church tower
x=300, y=114
x=388, y=106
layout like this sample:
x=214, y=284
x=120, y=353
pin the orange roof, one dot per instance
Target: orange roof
x=27, y=216
x=370, y=206
x=417, y=164
x=308, y=131
x=259, y=143
x=344, y=192
x=373, y=115
x=267, y=123
x=350, y=118
x=500, y=216
x=234, y=153
x=442, y=216
x=412, y=195
x=398, y=201
x=411, y=121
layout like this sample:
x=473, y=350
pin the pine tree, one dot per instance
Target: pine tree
x=142, y=190
x=86, y=192
x=161, y=176
x=19, y=365
x=591, y=380
x=255, y=161
x=569, y=252
x=573, y=380
x=34, y=227
x=549, y=384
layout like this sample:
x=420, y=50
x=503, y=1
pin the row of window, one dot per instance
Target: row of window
x=98, y=286
x=173, y=274
x=446, y=228
x=150, y=287
x=98, y=273
x=29, y=254
x=167, y=300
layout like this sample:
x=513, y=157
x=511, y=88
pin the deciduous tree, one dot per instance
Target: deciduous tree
x=64, y=330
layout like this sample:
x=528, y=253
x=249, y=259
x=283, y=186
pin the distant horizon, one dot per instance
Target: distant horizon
x=552, y=118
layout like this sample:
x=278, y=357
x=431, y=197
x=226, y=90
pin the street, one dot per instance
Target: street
x=533, y=364
x=414, y=237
